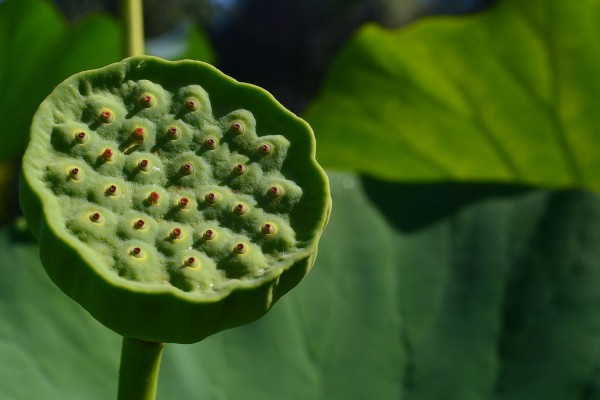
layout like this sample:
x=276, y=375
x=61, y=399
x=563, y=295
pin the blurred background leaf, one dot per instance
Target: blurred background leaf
x=39, y=50
x=487, y=292
x=506, y=95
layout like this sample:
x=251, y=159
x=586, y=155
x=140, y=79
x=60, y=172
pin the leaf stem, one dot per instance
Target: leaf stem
x=138, y=375
x=133, y=26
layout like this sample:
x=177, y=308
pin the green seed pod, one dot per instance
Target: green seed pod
x=161, y=220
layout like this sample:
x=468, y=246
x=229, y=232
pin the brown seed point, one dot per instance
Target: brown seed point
x=191, y=104
x=209, y=234
x=264, y=149
x=190, y=260
x=106, y=116
x=154, y=197
x=140, y=223
x=274, y=191
x=187, y=169
x=237, y=127
x=139, y=133
x=108, y=154
x=268, y=229
x=95, y=216
x=176, y=233
x=136, y=251
x=147, y=101
x=173, y=133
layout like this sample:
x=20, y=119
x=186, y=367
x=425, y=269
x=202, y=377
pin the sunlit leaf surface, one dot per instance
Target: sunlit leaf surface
x=506, y=95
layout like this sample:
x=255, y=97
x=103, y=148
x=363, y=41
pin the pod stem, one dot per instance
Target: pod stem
x=138, y=375
x=133, y=24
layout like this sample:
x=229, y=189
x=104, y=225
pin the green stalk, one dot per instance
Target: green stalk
x=133, y=21
x=138, y=375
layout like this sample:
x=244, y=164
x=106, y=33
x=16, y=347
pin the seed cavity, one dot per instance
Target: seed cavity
x=108, y=155
x=268, y=229
x=264, y=149
x=96, y=217
x=238, y=127
x=75, y=174
x=212, y=198
x=240, y=209
x=240, y=169
x=240, y=248
x=173, y=133
x=274, y=192
x=137, y=252
x=184, y=202
x=147, y=101
x=192, y=104
x=139, y=224
x=211, y=143
x=154, y=197
x=144, y=165
x=209, y=234
x=138, y=134
x=81, y=137
x=187, y=169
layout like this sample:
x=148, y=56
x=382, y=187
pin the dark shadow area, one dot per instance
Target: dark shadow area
x=410, y=207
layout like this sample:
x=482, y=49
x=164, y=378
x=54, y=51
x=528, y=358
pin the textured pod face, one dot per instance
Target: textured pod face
x=161, y=220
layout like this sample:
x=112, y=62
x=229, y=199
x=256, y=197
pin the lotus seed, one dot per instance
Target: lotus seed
x=147, y=101
x=209, y=234
x=176, y=233
x=212, y=198
x=264, y=149
x=240, y=169
x=192, y=104
x=173, y=133
x=153, y=197
x=108, y=155
x=95, y=217
x=237, y=127
x=274, y=192
x=81, y=137
x=240, y=209
x=138, y=134
x=74, y=173
x=268, y=229
x=144, y=165
x=184, y=202
x=211, y=143
x=187, y=169
x=106, y=116
x=137, y=252
x=139, y=224
x=240, y=248
x=191, y=262
x=112, y=190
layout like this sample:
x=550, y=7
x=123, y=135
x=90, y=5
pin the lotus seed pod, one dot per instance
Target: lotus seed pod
x=190, y=204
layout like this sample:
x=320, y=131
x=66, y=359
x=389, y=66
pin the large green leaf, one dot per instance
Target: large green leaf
x=506, y=95
x=420, y=292
x=38, y=50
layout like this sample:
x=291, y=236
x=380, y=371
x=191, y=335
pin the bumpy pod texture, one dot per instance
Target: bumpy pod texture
x=170, y=200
